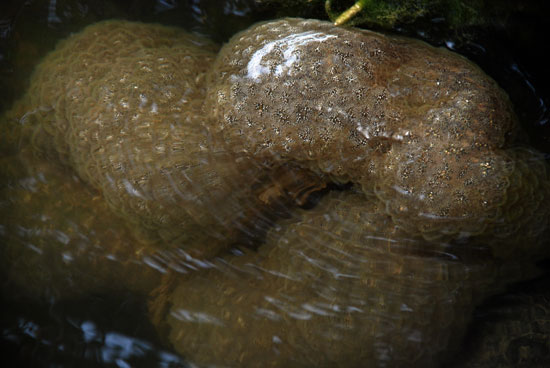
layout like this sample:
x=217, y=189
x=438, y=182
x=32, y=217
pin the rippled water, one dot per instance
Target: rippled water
x=77, y=283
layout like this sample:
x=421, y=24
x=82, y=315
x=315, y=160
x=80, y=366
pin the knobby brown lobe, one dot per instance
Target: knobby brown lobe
x=59, y=237
x=421, y=128
x=336, y=286
x=429, y=140
x=122, y=104
x=379, y=277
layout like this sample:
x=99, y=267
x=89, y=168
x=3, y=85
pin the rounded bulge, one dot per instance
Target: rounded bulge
x=422, y=129
x=122, y=104
x=353, y=281
x=326, y=292
x=60, y=239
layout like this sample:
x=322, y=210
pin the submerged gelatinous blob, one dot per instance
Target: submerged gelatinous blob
x=121, y=103
x=60, y=239
x=333, y=287
x=511, y=331
x=422, y=128
x=451, y=205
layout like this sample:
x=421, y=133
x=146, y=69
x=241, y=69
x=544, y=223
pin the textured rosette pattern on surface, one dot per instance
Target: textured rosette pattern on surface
x=427, y=199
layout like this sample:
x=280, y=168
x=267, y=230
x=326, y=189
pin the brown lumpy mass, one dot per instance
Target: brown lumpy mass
x=186, y=150
x=121, y=103
x=422, y=128
x=60, y=239
x=511, y=331
x=333, y=287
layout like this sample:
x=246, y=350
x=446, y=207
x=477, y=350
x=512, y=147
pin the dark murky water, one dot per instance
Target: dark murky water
x=111, y=326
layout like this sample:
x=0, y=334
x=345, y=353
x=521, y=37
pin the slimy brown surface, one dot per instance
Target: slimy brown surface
x=333, y=287
x=121, y=103
x=431, y=199
x=60, y=239
x=422, y=128
x=511, y=330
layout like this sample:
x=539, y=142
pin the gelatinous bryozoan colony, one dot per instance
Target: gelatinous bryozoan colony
x=451, y=206
x=447, y=206
x=421, y=128
x=511, y=331
x=121, y=103
x=333, y=287
x=59, y=239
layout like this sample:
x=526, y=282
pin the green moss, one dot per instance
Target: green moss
x=383, y=13
x=392, y=13
x=388, y=13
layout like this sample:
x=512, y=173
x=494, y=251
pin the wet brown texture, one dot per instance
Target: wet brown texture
x=60, y=239
x=511, y=331
x=121, y=103
x=422, y=128
x=387, y=275
x=335, y=286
